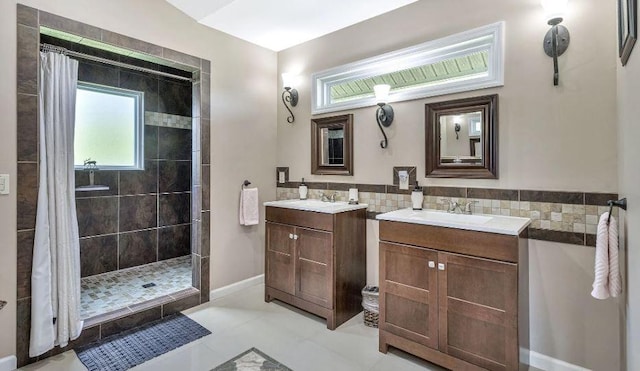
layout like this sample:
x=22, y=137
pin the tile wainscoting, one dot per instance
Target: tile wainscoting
x=568, y=217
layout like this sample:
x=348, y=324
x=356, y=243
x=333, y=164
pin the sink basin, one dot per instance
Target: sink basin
x=316, y=205
x=313, y=203
x=484, y=223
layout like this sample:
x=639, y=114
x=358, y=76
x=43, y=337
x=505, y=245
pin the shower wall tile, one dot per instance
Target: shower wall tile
x=27, y=127
x=138, y=212
x=108, y=178
x=98, y=255
x=174, y=209
x=69, y=25
x=174, y=144
x=25, y=260
x=27, y=16
x=181, y=304
x=150, y=142
x=137, y=182
x=174, y=176
x=97, y=73
x=195, y=96
x=204, y=279
x=138, y=248
x=206, y=182
x=174, y=241
x=180, y=57
x=27, y=68
x=205, y=141
x=206, y=66
x=27, y=194
x=196, y=278
x=23, y=327
x=130, y=43
x=206, y=239
x=97, y=216
x=175, y=98
x=141, y=82
x=205, y=96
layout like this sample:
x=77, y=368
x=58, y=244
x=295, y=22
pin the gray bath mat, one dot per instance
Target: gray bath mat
x=132, y=347
x=252, y=360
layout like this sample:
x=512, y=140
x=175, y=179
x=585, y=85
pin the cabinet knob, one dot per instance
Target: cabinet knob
x=295, y=236
x=432, y=264
x=291, y=236
x=441, y=266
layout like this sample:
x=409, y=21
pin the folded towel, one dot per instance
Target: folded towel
x=607, y=280
x=249, y=212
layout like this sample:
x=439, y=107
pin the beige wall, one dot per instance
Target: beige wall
x=244, y=100
x=629, y=178
x=550, y=138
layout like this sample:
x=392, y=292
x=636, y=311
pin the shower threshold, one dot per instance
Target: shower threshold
x=119, y=293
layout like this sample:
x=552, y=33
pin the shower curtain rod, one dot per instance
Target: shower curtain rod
x=57, y=49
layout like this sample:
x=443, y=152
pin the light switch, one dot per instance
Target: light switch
x=281, y=177
x=4, y=184
x=403, y=177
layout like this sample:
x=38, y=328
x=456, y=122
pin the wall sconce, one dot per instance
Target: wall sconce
x=384, y=114
x=556, y=41
x=289, y=94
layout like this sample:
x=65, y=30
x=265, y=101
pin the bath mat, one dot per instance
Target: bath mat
x=132, y=347
x=252, y=360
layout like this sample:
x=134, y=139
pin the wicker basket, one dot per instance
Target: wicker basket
x=370, y=318
x=370, y=296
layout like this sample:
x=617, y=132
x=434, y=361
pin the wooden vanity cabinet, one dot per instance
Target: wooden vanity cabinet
x=316, y=261
x=453, y=297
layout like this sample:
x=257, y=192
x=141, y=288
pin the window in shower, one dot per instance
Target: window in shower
x=109, y=127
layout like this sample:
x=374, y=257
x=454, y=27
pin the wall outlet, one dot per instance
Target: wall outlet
x=281, y=177
x=403, y=177
x=4, y=184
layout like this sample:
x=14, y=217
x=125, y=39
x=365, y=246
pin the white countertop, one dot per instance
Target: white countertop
x=316, y=206
x=477, y=222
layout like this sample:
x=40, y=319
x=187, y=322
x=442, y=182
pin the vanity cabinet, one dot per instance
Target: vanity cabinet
x=316, y=261
x=454, y=297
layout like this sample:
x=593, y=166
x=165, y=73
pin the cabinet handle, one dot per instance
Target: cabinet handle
x=441, y=266
x=432, y=264
x=291, y=236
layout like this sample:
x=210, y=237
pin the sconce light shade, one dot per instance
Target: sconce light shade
x=384, y=114
x=289, y=95
x=382, y=93
x=554, y=10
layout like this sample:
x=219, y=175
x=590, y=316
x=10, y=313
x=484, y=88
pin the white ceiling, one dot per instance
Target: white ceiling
x=281, y=24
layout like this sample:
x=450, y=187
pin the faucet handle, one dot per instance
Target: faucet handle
x=449, y=203
x=468, y=207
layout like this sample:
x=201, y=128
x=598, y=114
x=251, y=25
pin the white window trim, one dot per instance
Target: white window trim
x=489, y=38
x=139, y=123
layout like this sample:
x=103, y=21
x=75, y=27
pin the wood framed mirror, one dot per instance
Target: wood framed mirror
x=462, y=138
x=332, y=145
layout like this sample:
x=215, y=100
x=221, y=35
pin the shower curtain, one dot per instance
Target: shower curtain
x=55, y=279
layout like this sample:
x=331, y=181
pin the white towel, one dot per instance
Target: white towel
x=249, y=212
x=607, y=280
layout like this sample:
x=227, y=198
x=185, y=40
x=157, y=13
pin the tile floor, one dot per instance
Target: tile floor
x=111, y=291
x=299, y=340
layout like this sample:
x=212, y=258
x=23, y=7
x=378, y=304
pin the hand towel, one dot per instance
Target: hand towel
x=607, y=282
x=249, y=212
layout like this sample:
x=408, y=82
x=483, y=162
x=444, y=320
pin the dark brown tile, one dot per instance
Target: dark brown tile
x=27, y=127
x=88, y=335
x=181, y=304
x=138, y=212
x=97, y=216
x=195, y=271
x=27, y=194
x=151, y=303
x=557, y=236
x=150, y=142
x=204, y=280
x=494, y=194
x=23, y=328
x=205, y=66
x=69, y=25
x=340, y=186
x=138, y=248
x=138, y=182
x=206, y=233
x=131, y=321
x=576, y=198
x=174, y=144
x=412, y=175
x=174, y=97
x=205, y=96
x=25, y=260
x=599, y=199
x=316, y=185
x=131, y=43
x=108, y=178
x=206, y=187
x=106, y=317
x=27, y=16
x=98, y=255
x=445, y=191
x=141, y=82
x=96, y=73
x=27, y=68
x=396, y=190
x=205, y=141
x=174, y=209
x=290, y=185
x=184, y=293
x=372, y=188
x=180, y=57
x=174, y=176
x=174, y=241
x=590, y=240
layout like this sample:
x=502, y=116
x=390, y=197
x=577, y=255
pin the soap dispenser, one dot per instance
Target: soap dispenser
x=302, y=190
x=417, y=198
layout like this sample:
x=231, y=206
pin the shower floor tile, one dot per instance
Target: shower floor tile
x=107, y=292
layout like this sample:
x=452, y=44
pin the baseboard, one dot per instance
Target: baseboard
x=547, y=363
x=9, y=363
x=235, y=287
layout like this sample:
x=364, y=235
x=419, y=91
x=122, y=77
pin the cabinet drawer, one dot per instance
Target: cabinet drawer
x=300, y=218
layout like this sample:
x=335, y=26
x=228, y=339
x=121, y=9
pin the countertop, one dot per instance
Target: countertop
x=316, y=206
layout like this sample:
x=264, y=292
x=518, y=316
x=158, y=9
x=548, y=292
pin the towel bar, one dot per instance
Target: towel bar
x=622, y=203
x=245, y=183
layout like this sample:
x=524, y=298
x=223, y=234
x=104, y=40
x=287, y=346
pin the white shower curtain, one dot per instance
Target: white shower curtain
x=55, y=280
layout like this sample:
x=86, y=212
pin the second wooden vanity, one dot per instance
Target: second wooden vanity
x=455, y=297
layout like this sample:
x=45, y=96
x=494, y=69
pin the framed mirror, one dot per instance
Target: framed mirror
x=332, y=145
x=462, y=138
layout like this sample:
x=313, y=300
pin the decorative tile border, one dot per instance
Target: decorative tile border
x=568, y=217
x=167, y=120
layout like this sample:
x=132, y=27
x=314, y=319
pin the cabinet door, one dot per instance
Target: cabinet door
x=280, y=262
x=408, y=298
x=314, y=266
x=478, y=301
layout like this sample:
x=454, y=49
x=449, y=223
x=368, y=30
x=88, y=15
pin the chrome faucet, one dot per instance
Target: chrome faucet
x=456, y=208
x=325, y=198
x=468, y=207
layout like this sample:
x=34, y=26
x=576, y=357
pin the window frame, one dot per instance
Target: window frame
x=139, y=123
x=489, y=37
